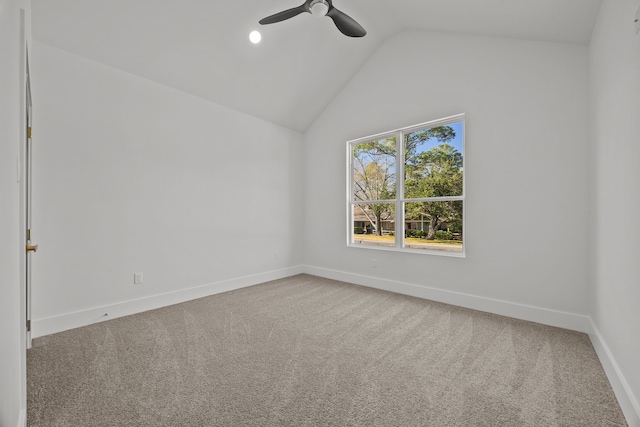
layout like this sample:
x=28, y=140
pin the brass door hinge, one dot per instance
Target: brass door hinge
x=28, y=325
x=29, y=132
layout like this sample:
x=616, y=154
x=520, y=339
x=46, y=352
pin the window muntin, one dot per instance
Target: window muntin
x=406, y=189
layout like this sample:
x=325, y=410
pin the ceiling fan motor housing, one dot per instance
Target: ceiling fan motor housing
x=319, y=8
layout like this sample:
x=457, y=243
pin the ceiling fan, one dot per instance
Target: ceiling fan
x=347, y=25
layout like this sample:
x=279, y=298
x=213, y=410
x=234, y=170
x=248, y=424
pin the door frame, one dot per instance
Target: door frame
x=24, y=55
x=28, y=193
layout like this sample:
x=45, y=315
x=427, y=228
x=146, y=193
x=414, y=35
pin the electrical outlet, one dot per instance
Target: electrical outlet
x=137, y=278
x=374, y=263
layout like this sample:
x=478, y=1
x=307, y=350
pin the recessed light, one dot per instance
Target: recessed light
x=255, y=37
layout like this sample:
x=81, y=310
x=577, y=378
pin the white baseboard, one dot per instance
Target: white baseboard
x=51, y=325
x=561, y=319
x=628, y=402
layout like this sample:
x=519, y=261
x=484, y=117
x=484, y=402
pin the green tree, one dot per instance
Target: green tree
x=435, y=173
x=443, y=134
x=374, y=179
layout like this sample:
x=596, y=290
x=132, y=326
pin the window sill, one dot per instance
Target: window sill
x=451, y=254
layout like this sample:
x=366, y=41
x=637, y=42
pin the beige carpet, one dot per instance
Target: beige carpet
x=305, y=351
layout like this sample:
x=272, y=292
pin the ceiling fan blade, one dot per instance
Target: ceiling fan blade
x=285, y=14
x=346, y=24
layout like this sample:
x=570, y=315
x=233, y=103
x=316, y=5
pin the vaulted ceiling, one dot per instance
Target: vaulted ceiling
x=201, y=46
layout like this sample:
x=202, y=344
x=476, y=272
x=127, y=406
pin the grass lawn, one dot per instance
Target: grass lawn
x=372, y=238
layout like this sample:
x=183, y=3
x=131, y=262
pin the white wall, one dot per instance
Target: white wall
x=132, y=176
x=526, y=167
x=615, y=129
x=12, y=339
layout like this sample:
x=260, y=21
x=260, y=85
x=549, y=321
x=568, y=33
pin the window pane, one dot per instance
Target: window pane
x=433, y=162
x=434, y=226
x=374, y=224
x=374, y=170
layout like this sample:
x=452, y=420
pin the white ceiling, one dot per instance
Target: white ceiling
x=202, y=47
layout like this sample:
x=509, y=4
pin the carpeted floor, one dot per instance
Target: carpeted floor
x=306, y=351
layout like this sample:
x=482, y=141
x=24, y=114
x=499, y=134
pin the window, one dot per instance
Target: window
x=406, y=189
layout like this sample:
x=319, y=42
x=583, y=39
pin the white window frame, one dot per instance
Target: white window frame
x=400, y=200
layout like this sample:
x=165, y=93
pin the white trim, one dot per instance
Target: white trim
x=436, y=252
x=398, y=212
x=22, y=419
x=25, y=40
x=429, y=199
x=433, y=123
x=350, y=197
x=561, y=319
x=628, y=402
x=50, y=325
x=63, y=322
